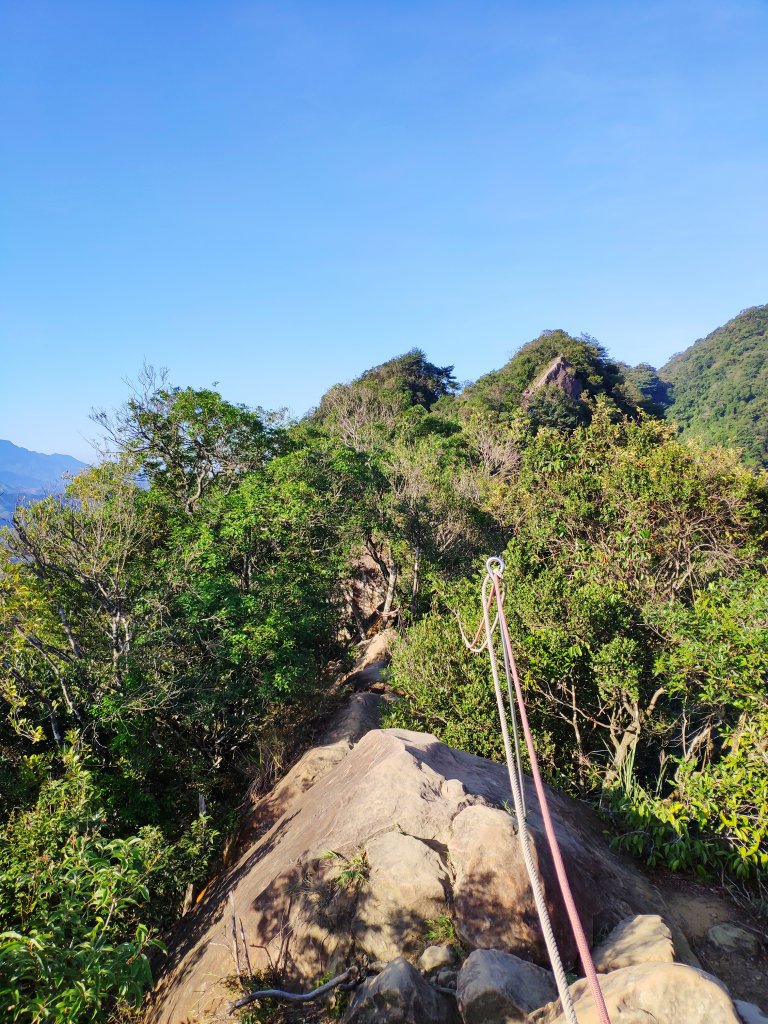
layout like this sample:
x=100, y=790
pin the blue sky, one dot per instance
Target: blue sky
x=278, y=195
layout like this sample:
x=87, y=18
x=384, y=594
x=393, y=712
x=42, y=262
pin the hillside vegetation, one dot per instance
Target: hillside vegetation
x=720, y=386
x=167, y=630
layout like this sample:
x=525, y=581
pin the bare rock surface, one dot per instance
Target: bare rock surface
x=652, y=993
x=558, y=372
x=644, y=938
x=493, y=902
x=299, y=891
x=732, y=938
x=501, y=988
x=399, y=995
x=407, y=885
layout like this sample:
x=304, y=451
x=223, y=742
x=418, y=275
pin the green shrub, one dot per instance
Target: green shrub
x=637, y=600
x=71, y=900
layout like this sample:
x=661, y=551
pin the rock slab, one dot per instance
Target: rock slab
x=493, y=902
x=392, y=794
x=407, y=885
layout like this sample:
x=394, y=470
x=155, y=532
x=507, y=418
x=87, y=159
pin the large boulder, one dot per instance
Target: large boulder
x=493, y=902
x=399, y=995
x=641, y=939
x=304, y=900
x=502, y=988
x=407, y=885
x=652, y=993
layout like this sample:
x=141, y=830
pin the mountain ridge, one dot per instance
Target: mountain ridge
x=27, y=474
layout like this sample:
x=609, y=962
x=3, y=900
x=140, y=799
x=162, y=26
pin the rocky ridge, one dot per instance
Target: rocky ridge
x=386, y=849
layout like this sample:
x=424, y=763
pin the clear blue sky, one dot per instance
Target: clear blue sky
x=277, y=195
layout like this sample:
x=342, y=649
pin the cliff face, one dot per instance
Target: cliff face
x=561, y=374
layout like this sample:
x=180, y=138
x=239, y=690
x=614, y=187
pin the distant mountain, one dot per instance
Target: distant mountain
x=719, y=386
x=26, y=475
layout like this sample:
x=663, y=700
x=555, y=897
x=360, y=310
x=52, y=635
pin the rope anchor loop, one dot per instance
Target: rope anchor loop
x=495, y=565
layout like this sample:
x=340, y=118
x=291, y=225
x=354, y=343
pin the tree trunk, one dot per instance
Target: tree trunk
x=391, y=585
x=415, y=587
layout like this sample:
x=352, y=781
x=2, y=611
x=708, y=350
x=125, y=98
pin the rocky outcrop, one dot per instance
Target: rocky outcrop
x=493, y=902
x=407, y=884
x=636, y=940
x=496, y=986
x=399, y=995
x=649, y=994
x=372, y=841
x=559, y=373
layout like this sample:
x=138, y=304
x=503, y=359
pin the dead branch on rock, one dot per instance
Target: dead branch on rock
x=296, y=997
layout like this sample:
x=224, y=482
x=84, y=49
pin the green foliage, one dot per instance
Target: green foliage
x=71, y=899
x=441, y=931
x=637, y=599
x=720, y=386
x=353, y=871
x=501, y=393
x=444, y=688
x=164, y=628
x=160, y=619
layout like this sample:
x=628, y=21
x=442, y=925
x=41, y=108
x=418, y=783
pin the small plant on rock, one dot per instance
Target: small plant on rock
x=441, y=931
x=354, y=871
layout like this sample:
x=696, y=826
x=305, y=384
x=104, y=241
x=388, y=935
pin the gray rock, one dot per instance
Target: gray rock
x=642, y=939
x=733, y=939
x=406, y=886
x=658, y=993
x=502, y=988
x=435, y=957
x=750, y=1013
x=399, y=995
x=493, y=903
x=447, y=977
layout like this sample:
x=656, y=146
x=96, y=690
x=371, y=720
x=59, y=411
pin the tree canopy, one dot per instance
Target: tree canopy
x=719, y=386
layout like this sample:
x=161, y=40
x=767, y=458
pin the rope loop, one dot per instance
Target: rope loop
x=492, y=562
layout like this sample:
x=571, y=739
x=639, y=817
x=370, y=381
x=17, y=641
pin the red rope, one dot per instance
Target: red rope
x=549, y=828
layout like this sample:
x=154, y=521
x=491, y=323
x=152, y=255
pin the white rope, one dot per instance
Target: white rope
x=514, y=769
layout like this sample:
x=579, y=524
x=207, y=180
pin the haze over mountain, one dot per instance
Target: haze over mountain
x=31, y=475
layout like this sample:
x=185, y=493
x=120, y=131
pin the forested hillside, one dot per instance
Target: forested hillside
x=720, y=386
x=563, y=397
x=167, y=629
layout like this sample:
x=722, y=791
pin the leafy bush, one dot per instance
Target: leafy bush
x=637, y=599
x=71, y=900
